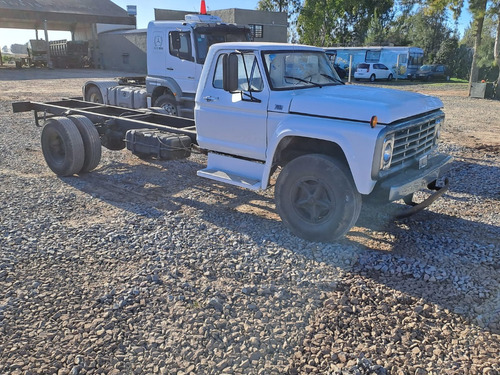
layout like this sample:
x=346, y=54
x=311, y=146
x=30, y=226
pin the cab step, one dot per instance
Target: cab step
x=233, y=171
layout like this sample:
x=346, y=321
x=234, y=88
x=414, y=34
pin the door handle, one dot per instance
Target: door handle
x=170, y=68
x=210, y=98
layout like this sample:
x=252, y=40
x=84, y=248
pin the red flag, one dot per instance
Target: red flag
x=203, y=8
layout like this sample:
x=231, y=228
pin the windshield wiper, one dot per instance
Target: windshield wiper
x=333, y=78
x=303, y=80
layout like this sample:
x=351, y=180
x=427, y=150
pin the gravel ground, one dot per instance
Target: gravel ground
x=142, y=267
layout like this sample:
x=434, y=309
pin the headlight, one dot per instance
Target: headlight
x=387, y=149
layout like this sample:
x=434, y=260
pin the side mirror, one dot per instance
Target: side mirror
x=175, y=40
x=230, y=72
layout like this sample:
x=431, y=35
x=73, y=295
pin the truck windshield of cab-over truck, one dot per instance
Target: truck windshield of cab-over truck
x=290, y=70
x=205, y=39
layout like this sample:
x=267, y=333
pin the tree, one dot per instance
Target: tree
x=478, y=9
x=342, y=22
x=496, y=49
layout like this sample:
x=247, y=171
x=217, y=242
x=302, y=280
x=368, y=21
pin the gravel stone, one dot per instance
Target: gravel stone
x=142, y=267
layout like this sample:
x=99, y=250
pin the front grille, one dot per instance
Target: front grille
x=414, y=139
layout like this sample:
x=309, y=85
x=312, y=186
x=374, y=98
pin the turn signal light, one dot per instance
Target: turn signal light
x=373, y=121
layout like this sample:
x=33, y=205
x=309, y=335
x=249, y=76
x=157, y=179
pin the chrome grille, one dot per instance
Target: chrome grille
x=414, y=140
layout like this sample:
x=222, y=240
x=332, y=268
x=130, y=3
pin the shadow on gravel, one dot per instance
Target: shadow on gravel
x=408, y=255
x=484, y=178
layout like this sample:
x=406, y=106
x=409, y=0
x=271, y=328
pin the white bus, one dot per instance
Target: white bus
x=403, y=61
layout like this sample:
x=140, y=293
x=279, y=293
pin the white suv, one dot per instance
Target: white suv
x=372, y=71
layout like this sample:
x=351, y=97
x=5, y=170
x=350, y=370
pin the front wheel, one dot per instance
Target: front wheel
x=316, y=198
x=93, y=94
x=167, y=103
x=372, y=78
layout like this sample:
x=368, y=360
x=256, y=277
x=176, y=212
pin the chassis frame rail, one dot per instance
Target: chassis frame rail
x=117, y=118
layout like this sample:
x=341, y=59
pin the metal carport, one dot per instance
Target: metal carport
x=80, y=17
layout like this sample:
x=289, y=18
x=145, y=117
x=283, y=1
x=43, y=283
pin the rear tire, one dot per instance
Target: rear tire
x=316, y=198
x=390, y=77
x=62, y=146
x=167, y=103
x=93, y=95
x=91, y=142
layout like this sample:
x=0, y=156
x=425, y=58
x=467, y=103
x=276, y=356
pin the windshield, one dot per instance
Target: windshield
x=204, y=39
x=290, y=70
x=426, y=68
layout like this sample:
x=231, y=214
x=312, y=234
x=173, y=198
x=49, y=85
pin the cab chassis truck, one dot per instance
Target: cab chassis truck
x=260, y=107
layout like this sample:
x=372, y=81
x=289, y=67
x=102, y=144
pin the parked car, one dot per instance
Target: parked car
x=433, y=72
x=372, y=71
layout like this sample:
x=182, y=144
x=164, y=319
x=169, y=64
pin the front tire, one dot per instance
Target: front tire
x=93, y=95
x=373, y=78
x=316, y=198
x=62, y=146
x=167, y=103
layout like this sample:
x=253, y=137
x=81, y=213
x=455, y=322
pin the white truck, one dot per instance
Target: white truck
x=176, y=51
x=266, y=107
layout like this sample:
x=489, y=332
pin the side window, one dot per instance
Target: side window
x=247, y=67
x=217, y=81
x=179, y=45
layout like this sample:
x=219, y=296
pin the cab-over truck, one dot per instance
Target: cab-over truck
x=263, y=108
x=176, y=51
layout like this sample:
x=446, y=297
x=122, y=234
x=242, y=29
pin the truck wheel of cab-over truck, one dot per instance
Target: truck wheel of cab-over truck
x=316, y=198
x=93, y=95
x=62, y=146
x=91, y=142
x=168, y=103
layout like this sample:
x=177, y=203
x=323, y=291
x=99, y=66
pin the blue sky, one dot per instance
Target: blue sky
x=145, y=13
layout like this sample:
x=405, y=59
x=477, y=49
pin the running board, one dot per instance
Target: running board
x=233, y=171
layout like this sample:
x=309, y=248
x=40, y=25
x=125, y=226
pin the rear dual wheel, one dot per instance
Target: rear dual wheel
x=70, y=145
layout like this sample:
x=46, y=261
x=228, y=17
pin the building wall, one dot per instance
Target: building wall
x=269, y=26
x=124, y=51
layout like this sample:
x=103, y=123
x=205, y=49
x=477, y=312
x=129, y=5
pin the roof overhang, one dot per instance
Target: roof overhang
x=56, y=21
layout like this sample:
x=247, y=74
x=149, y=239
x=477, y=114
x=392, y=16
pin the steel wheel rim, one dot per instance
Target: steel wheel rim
x=312, y=200
x=94, y=98
x=170, y=109
x=56, y=148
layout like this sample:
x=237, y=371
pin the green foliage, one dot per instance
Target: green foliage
x=339, y=22
x=457, y=57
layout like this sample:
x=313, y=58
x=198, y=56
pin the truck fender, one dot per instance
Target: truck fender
x=356, y=140
x=102, y=85
x=159, y=86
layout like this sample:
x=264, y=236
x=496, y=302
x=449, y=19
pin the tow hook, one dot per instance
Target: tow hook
x=417, y=207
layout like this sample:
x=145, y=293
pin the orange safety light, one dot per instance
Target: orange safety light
x=203, y=8
x=373, y=121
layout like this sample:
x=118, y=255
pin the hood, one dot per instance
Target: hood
x=360, y=103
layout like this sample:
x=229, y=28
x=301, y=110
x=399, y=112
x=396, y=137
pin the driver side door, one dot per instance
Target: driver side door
x=235, y=122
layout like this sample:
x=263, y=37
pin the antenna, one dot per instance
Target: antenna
x=203, y=8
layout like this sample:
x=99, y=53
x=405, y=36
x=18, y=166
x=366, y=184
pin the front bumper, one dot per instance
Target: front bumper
x=410, y=180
